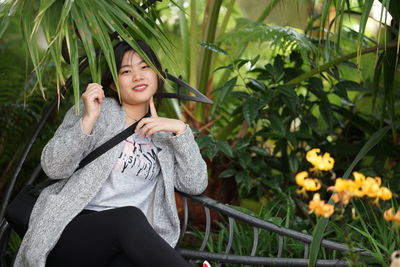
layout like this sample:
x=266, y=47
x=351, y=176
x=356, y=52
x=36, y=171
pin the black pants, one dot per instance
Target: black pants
x=118, y=237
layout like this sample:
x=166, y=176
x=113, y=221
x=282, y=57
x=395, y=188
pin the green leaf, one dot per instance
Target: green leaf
x=373, y=140
x=213, y=48
x=326, y=112
x=291, y=138
x=240, y=177
x=289, y=96
x=260, y=86
x=284, y=38
x=72, y=44
x=244, y=159
x=250, y=109
x=318, y=235
x=240, y=62
x=5, y=21
x=293, y=163
x=204, y=140
x=100, y=33
x=277, y=125
x=287, y=90
x=227, y=173
x=260, y=151
x=389, y=74
x=44, y=5
x=230, y=67
x=243, y=143
x=32, y=45
x=271, y=135
x=211, y=151
x=366, y=10
x=254, y=60
x=342, y=87
x=225, y=147
x=316, y=86
x=87, y=40
x=226, y=89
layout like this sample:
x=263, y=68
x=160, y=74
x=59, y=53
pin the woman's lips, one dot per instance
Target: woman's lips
x=139, y=88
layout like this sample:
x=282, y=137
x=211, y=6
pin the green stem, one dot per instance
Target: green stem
x=339, y=60
x=211, y=26
x=185, y=40
x=193, y=44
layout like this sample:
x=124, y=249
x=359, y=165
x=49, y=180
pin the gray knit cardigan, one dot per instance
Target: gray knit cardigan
x=182, y=167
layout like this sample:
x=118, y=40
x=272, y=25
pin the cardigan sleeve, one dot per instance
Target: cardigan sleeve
x=64, y=151
x=190, y=169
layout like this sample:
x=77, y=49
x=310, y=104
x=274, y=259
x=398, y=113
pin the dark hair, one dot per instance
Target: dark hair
x=119, y=51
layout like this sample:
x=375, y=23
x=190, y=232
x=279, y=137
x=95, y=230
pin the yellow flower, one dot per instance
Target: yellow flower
x=319, y=207
x=345, y=189
x=390, y=216
x=359, y=178
x=384, y=193
x=342, y=197
x=312, y=184
x=300, y=177
x=340, y=185
x=323, y=163
x=371, y=186
x=307, y=184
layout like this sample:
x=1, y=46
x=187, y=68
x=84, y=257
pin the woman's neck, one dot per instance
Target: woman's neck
x=134, y=112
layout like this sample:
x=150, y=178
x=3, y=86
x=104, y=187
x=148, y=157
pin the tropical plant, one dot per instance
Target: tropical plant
x=80, y=31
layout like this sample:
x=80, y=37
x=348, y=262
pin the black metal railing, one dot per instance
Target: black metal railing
x=257, y=224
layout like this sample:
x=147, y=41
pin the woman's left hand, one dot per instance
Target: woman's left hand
x=149, y=126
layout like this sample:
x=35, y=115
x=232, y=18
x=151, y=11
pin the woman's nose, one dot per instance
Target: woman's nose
x=137, y=76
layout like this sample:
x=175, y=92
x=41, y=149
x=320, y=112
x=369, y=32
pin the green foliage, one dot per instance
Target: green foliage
x=283, y=121
x=283, y=38
x=79, y=28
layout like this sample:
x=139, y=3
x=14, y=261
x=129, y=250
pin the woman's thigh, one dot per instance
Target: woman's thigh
x=97, y=238
x=90, y=239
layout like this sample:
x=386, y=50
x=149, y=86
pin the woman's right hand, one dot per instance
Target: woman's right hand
x=92, y=99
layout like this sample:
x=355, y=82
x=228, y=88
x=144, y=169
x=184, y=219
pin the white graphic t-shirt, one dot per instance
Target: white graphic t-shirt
x=133, y=178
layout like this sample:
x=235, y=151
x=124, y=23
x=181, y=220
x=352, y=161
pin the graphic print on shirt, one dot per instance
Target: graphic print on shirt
x=138, y=158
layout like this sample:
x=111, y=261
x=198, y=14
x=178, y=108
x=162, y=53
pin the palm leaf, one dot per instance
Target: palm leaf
x=62, y=20
x=88, y=44
x=72, y=43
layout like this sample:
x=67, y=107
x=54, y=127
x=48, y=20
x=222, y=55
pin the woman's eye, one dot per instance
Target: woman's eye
x=145, y=67
x=125, y=71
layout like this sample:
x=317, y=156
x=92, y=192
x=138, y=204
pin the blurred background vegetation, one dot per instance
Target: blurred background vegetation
x=285, y=76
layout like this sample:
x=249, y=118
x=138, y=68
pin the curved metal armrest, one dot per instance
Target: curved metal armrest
x=256, y=222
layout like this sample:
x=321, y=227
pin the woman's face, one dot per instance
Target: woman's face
x=137, y=81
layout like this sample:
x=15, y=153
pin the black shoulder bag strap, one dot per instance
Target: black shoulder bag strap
x=109, y=144
x=19, y=210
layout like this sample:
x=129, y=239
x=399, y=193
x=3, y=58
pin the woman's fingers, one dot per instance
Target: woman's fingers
x=149, y=126
x=141, y=123
x=153, y=110
x=96, y=93
x=146, y=129
x=153, y=130
x=92, y=98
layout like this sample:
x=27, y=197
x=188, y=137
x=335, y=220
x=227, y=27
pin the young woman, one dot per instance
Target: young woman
x=119, y=210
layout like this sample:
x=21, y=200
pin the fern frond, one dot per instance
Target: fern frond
x=285, y=38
